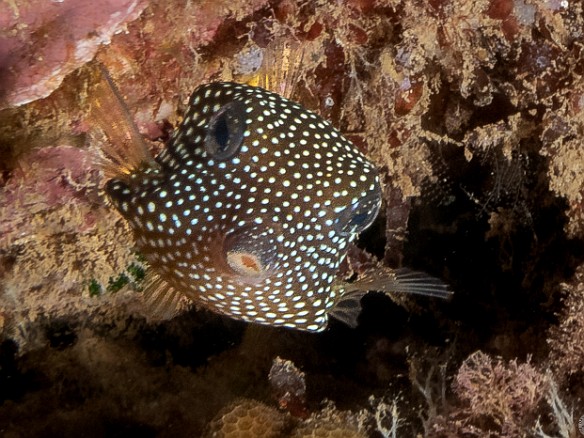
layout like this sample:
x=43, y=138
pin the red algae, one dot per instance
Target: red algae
x=42, y=43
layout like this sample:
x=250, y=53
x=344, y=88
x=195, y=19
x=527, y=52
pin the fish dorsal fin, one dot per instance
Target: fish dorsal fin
x=281, y=67
x=161, y=300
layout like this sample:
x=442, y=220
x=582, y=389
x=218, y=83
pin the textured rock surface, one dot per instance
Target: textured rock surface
x=41, y=43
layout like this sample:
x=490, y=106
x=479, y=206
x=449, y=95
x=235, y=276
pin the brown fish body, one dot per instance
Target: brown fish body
x=251, y=208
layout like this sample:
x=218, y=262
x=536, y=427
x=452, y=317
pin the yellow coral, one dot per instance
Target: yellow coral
x=248, y=418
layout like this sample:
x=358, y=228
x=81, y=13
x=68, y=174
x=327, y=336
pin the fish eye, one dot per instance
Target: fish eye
x=252, y=251
x=225, y=131
x=359, y=216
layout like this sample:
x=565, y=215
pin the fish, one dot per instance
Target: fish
x=250, y=209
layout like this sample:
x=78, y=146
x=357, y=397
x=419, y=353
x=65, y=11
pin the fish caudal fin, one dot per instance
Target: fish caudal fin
x=123, y=151
x=162, y=301
x=387, y=280
x=402, y=280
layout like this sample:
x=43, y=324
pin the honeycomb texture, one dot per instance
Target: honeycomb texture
x=248, y=419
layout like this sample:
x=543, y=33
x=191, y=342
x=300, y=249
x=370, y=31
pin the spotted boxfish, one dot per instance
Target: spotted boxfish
x=250, y=209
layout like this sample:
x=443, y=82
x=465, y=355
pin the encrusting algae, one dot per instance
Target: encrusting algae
x=250, y=209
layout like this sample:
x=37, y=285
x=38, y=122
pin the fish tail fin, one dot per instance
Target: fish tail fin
x=161, y=300
x=402, y=280
x=384, y=279
x=123, y=150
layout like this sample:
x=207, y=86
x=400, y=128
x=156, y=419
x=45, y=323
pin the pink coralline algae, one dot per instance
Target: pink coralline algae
x=41, y=43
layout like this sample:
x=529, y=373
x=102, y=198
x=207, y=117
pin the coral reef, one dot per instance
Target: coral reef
x=471, y=109
x=246, y=417
x=567, y=352
x=249, y=418
x=496, y=399
x=330, y=423
x=288, y=387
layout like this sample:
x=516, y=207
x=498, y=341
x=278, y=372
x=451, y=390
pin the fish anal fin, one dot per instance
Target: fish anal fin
x=161, y=301
x=348, y=308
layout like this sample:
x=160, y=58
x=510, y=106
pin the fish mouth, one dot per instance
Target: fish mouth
x=251, y=253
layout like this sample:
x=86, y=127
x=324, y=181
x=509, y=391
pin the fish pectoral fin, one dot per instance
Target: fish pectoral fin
x=348, y=308
x=402, y=280
x=161, y=300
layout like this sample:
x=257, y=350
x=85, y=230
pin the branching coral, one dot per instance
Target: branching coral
x=562, y=416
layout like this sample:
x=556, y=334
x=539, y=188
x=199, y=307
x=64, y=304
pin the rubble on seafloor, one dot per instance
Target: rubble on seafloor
x=473, y=111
